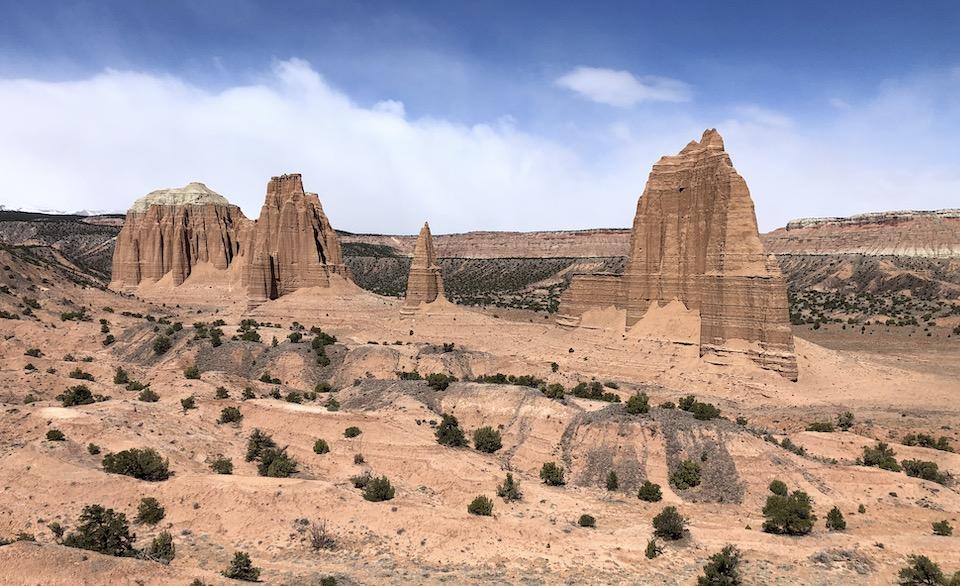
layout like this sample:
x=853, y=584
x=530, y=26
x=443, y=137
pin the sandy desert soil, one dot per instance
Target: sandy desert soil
x=425, y=534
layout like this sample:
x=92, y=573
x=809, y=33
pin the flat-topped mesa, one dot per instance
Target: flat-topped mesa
x=173, y=230
x=424, y=283
x=695, y=239
x=293, y=244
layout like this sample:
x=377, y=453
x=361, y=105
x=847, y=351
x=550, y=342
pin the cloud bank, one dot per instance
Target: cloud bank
x=622, y=88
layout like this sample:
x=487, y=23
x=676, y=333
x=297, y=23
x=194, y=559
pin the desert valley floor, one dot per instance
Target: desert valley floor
x=425, y=533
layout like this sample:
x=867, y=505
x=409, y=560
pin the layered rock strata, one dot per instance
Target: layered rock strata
x=695, y=239
x=172, y=231
x=292, y=244
x=424, y=283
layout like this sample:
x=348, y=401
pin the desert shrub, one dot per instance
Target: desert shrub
x=320, y=537
x=294, y=397
x=120, y=377
x=820, y=426
x=789, y=514
x=321, y=447
x=135, y=385
x=880, y=456
x=942, y=528
x=741, y=420
x=102, y=530
x=148, y=395
x=266, y=378
x=276, y=463
x=221, y=393
x=586, y=520
x=861, y=509
x=295, y=337
x=509, y=490
x=686, y=475
x=481, y=506
x=553, y=391
x=161, y=344
x=788, y=445
x=650, y=492
x=612, y=483
x=55, y=435
x=192, y=372
x=188, y=403
x=322, y=388
x=669, y=524
x=361, y=480
x=150, y=511
x=440, y=381
x=241, y=568
x=29, y=398
x=925, y=470
x=143, y=464
x=551, y=474
x=653, y=549
x=704, y=411
x=779, y=488
x=722, y=568
x=108, y=339
x=487, y=439
x=76, y=395
x=222, y=465
x=686, y=403
x=161, y=549
x=332, y=404
x=921, y=570
x=79, y=373
x=667, y=405
x=835, y=520
x=637, y=404
x=926, y=441
x=378, y=489
x=449, y=433
x=33, y=353
x=247, y=394
x=845, y=420
x=358, y=459
x=93, y=449
x=352, y=431
x=257, y=443
x=230, y=415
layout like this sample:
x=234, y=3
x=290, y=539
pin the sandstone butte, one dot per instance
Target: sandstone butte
x=424, y=283
x=695, y=240
x=169, y=233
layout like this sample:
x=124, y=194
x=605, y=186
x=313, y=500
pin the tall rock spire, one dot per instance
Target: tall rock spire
x=695, y=239
x=425, y=283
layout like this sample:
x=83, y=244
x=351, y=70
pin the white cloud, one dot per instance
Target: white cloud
x=622, y=88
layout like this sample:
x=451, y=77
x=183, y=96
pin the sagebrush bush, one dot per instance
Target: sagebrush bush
x=161, y=549
x=222, y=465
x=586, y=520
x=880, y=456
x=150, y=511
x=481, y=506
x=686, y=475
x=789, y=514
x=257, y=443
x=487, y=439
x=55, y=435
x=321, y=446
x=509, y=490
x=378, y=489
x=440, y=381
x=669, y=524
x=650, y=492
x=192, y=372
x=147, y=395
x=102, y=530
x=161, y=345
x=352, y=431
x=820, y=426
x=93, y=449
x=449, y=433
x=120, y=377
x=637, y=404
x=221, y=393
x=925, y=470
x=76, y=395
x=942, y=528
x=653, y=549
x=551, y=474
x=778, y=487
x=143, y=464
x=230, y=415
x=722, y=568
x=612, y=483
x=242, y=568
x=276, y=463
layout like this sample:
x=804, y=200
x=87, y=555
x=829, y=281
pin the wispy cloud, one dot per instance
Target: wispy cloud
x=621, y=88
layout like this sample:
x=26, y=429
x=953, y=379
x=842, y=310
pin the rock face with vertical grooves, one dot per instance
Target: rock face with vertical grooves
x=172, y=231
x=292, y=244
x=695, y=239
x=424, y=283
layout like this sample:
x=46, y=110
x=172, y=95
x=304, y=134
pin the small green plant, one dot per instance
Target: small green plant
x=248, y=394
x=449, y=433
x=551, y=474
x=192, y=372
x=835, y=520
x=669, y=524
x=120, y=377
x=821, y=427
x=102, y=530
x=880, y=456
x=161, y=344
x=613, y=483
x=222, y=465
x=321, y=447
x=276, y=463
x=147, y=395
x=143, y=464
x=221, y=393
x=686, y=475
x=509, y=490
x=741, y=420
x=188, y=403
x=378, y=489
x=481, y=506
x=942, y=528
x=230, y=415
x=79, y=373
x=788, y=514
x=637, y=404
x=861, y=509
x=586, y=520
x=332, y=404
x=242, y=568
x=722, y=568
x=161, y=548
x=487, y=439
x=653, y=549
x=650, y=492
x=33, y=353
x=55, y=435
x=76, y=395
x=440, y=381
x=93, y=449
x=352, y=431
x=779, y=488
x=150, y=511
x=925, y=470
x=845, y=421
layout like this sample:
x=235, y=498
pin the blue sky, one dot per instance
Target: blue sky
x=483, y=115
